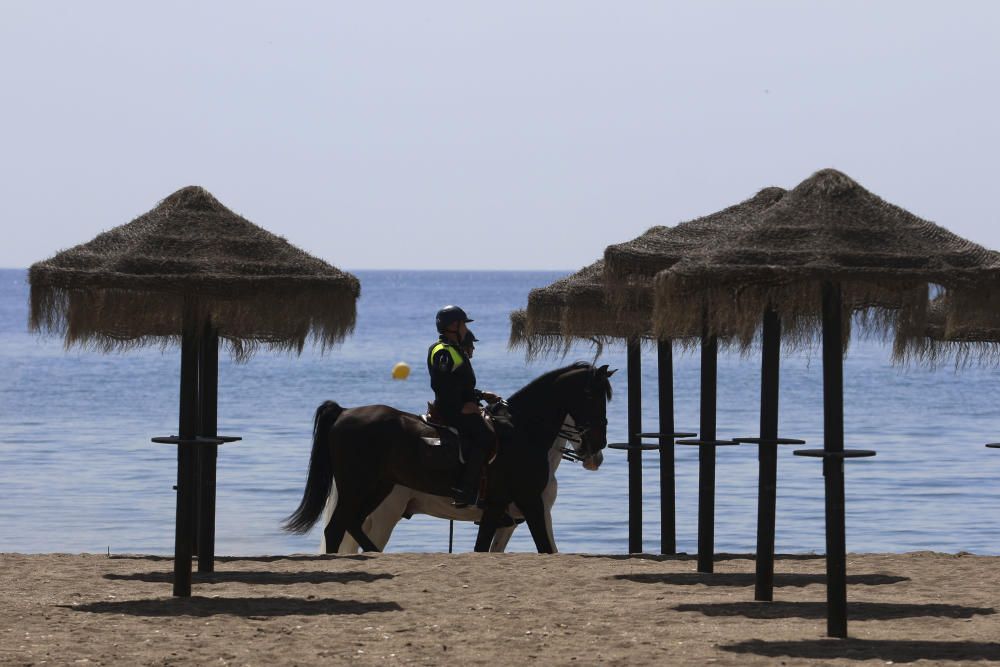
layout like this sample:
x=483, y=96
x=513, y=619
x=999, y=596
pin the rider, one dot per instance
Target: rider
x=456, y=397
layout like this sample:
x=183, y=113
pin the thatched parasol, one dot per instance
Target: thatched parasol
x=827, y=243
x=631, y=268
x=828, y=229
x=192, y=271
x=128, y=286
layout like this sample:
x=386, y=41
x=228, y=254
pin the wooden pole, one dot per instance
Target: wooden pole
x=665, y=381
x=768, y=455
x=187, y=454
x=706, y=453
x=208, y=454
x=833, y=466
x=634, y=372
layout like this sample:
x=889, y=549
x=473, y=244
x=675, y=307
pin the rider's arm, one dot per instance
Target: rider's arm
x=446, y=384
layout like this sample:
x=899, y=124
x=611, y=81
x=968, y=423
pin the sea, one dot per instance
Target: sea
x=78, y=472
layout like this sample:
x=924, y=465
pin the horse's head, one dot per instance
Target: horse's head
x=586, y=392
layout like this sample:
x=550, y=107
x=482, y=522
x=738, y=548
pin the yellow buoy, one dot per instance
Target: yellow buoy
x=401, y=371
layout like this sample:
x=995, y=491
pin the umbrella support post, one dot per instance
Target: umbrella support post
x=768, y=457
x=208, y=454
x=665, y=382
x=187, y=456
x=706, y=454
x=833, y=455
x=634, y=372
x=833, y=468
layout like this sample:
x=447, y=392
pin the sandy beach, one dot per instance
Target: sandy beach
x=920, y=607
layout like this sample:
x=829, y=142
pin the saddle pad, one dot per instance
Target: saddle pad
x=427, y=420
x=436, y=442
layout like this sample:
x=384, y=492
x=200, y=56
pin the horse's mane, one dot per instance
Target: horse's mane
x=545, y=380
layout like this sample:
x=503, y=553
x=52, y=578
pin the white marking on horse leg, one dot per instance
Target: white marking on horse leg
x=501, y=538
x=348, y=545
x=548, y=528
x=331, y=503
x=548, y=500
x=379, y=525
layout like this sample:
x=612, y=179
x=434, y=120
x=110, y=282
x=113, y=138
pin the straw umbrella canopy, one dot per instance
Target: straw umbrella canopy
x=827, y=247
x=128, y=286
x=828, y=229
x=192, y=271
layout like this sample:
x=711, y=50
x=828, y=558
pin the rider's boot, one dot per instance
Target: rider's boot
x=468, y=493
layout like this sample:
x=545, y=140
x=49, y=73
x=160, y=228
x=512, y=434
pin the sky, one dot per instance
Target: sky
x=486, y=135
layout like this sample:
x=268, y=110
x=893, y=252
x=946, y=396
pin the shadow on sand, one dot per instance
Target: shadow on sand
x=245, y=607
x=902, y=650
x=256, y=577
x=860, y=611
x=717, y=558
x=249, y=559
x=738, y=579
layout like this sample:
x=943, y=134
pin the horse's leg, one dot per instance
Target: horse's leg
x=488, y=525
x=333, y=534
x=368, y=505
x=348, y=545
x=346, y=513
x=548, y=500
x=378, y=526
x=534, y=513
x=380, y=523
x=365, y=543
x=501, y=538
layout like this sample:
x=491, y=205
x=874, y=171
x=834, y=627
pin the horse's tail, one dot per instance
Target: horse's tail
x=320, y=479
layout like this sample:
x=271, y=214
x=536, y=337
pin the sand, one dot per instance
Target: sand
x=463, y=609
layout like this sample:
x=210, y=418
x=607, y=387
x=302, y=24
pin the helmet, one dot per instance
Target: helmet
x=448, y=316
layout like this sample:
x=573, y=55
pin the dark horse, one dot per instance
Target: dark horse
x=366, y=451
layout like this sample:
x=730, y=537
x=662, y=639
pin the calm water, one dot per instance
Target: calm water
x=78, y=473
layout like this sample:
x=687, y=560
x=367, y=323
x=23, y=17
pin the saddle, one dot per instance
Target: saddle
x=445, y=450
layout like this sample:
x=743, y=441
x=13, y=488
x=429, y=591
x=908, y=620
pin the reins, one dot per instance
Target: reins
x=573, y=434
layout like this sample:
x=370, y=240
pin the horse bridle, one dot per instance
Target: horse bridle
x=575, y=434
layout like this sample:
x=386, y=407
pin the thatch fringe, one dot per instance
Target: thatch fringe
x=118, y=320
x=546, y=339
x=685, y=301
x=962, y=329
x=934, y=354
